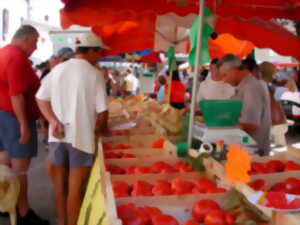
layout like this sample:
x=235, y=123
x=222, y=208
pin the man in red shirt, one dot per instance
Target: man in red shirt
x=18, y=113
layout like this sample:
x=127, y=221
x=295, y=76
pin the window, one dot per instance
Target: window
x=5, y=23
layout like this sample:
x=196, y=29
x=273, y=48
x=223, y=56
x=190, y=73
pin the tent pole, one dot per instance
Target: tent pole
x=196, y=69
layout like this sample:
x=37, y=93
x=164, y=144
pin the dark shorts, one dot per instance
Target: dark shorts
x=65, y=155
x=10, y=134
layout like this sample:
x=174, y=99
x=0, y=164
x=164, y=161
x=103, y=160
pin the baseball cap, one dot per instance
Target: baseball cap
x=90, y=40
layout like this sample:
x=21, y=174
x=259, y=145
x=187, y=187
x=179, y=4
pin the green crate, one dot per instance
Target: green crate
x=221, y=113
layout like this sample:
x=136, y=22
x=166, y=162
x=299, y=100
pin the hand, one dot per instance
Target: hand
x=25, y=134
x=44, y=127
x=57, y=129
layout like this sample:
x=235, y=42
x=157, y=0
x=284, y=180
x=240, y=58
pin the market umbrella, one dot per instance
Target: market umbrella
x=86, y=12
x=83, y=11
x=263, y=34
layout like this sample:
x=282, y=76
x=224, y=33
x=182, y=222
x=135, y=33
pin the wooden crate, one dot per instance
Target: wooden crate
x=271, y=179
x=217, y=168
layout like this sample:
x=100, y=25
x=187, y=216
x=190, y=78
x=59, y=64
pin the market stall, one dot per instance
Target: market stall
x=132, y=175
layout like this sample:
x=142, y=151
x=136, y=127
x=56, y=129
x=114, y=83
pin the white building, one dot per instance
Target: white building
x=43, y=14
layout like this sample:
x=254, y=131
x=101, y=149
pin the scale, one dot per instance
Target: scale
x=229, y=135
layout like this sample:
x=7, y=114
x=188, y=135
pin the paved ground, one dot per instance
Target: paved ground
x=40, y=192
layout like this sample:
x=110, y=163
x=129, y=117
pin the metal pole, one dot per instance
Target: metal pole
x=195, y=77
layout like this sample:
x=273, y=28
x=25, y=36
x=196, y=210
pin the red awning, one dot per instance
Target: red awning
x=83, y=12
x=263, y=34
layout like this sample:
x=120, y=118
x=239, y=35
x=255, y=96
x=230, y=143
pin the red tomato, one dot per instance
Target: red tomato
x=162, y=187
x=279, y=187
x=142, y=188
x=162, y=167
x=139, y=170
x=290, y=166
x=259, y=185
x=203, y=185
x=159, y=166
x=113, y=169
x=127, y=155
x=151, y=211
x=191, y=222
x=275, y=166
x=216, y=190
x=258, y=168
x=218, y=217
x=126, y=211
x=130, y=170
x=121, y=189
x=183, y=167
x=159, y=143
x=164, y=220
x=107, y=147
x=292, y=186
x=202, y=208
x=113, y=155
x=181, y=187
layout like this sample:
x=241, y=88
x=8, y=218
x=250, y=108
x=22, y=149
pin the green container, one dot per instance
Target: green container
x=221, y=113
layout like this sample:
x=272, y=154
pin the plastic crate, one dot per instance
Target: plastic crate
x=221, y=113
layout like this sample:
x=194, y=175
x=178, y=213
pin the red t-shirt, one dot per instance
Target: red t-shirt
x=17, y=77
x=177, y=92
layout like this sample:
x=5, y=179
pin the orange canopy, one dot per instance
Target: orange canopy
x=264, y=34
x=132, y=36
x=83, y=11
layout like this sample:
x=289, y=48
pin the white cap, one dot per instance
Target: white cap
x=90, y=40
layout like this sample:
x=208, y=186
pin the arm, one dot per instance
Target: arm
x=101, y=123
x=56, y=126
x=248, y=127
x=18, y=104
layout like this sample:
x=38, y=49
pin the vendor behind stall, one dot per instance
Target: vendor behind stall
x=73, y=99
x=256, y=116
x=213, y=88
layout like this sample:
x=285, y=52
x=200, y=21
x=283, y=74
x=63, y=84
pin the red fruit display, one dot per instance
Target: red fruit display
x=258, y=185
x=181, y=187
x=191, y=222
x=290, y=166
x=292, y=186
x=162, y=167
x=258, y=168
x=142, y=188
x=275, y=166
x=113, y=169
x=159, y=143
x=162, y=188
x=164, y=220
x=130, y=215
x=279, y=187
x=183, y=167
x=127, y=155
x=202, y=208
x=140, y=170
x=216, y=190
x=218, y=217
x=151, y=211
x=107, y=147
x=121, y=189
x=202, y=185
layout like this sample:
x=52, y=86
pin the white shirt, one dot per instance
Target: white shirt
x=256, y=109
x=76, y=90
x=132, y=83
x=214, y=90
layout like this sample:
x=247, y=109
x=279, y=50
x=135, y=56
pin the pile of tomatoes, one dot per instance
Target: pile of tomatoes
x=163, y=188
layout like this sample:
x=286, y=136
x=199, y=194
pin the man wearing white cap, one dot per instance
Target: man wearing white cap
x=73, y=99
